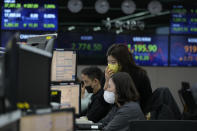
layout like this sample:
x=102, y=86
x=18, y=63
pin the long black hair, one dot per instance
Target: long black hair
x=124, y=57
x=125, y=88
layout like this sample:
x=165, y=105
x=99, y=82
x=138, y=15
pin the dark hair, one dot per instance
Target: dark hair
x=93, y=72
x=125, y=87
x=124, y=57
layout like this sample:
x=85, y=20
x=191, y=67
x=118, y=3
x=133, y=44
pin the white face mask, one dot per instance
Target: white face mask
x=109, y=97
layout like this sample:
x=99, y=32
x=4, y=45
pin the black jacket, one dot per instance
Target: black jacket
x=163, y=106
x=143, y=86
x=98, y=108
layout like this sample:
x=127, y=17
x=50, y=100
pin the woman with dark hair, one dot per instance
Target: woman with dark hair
x=120, y=59
x=122, y=92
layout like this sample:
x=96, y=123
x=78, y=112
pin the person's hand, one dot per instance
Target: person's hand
x=108, y=73
x=82, y=90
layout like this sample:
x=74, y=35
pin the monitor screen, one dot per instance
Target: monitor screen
x=70, y=96
x=55, y=121
x=146, y=50
x=183, y=19
x=183, y=51
x=64, y=65
x=27, y=72
x=36, y=15
x=91, y=48
x=34, y=76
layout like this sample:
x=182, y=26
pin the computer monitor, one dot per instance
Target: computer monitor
x=42, y=41
x=70, y=96
x=34, y=76
x=64, y=66
x=163, y=125
x=60, y=120
x=10, y=121
x=27, y=76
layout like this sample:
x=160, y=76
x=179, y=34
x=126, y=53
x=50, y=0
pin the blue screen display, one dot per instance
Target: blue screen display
x=147, y=50
x=38, y=15
x=184, y=20
x=91, y=48
x=183, y=51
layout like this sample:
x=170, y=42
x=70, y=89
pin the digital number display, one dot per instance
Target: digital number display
x=184, y=20
x=147, y=50
x=91, y=48
x=36, y=15
x=183, y=51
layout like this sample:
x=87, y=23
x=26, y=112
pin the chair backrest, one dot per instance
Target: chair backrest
x=187, y=96
x=164, y=105
x=194, y=92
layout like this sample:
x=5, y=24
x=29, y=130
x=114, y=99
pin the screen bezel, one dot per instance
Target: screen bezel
x=67, y=84
x=65, y=81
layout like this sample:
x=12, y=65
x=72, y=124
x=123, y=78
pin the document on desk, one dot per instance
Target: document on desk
x=83, y=120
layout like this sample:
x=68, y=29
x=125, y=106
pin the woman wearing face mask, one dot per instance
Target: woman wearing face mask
x=122, y=92
x=120, y=59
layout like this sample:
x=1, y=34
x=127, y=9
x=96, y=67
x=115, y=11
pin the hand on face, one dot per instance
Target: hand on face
x=108, y=73
x=82, y=90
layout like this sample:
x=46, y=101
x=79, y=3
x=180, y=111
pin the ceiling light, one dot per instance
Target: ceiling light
x=70, y=28
x=118, y=24
x=126, y=25
x=98, y=28
x=141, y=25
x=119, y=31
x=107, y=23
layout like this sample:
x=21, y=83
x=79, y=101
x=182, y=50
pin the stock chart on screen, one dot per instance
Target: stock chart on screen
x=183, y=51
x=147, y=50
